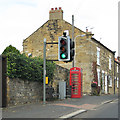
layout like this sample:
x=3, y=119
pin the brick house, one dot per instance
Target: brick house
x=91, y=55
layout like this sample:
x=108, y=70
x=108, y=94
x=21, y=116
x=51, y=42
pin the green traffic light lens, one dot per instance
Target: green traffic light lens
x=63, y=55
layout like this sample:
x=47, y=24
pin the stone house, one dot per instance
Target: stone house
x=117, y=75
x=90, y=54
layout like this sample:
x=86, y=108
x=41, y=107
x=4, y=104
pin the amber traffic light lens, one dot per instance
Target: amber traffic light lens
x=63, y=49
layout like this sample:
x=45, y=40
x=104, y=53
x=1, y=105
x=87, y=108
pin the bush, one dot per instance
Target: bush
x=93, y=85
x=21, y=66
x=9, y=49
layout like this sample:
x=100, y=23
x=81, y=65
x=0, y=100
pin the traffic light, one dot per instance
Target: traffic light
x=64, y=48
x=72, y=51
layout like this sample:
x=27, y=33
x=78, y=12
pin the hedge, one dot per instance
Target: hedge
x=27, y=68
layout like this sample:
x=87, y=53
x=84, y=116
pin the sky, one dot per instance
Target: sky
x=20, y=18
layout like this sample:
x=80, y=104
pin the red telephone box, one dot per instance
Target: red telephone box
x=76, y=82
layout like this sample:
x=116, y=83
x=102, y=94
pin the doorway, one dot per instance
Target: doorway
x=106, y=86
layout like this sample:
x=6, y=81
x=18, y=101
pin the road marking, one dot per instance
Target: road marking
x=115, y=101
x=66, y=105
x=73, y=114
x=109, y=101
x=93, y=109
x=83, y=106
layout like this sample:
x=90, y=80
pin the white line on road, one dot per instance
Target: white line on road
x=73, y=114
x=109, y=101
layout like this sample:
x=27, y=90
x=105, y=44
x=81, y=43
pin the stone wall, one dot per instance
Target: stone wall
x=23, y=91
x=60, y=74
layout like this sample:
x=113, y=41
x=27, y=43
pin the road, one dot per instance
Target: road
x=94, y=105
x=109, y=110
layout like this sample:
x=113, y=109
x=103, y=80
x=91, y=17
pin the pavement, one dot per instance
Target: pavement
x=66, y=108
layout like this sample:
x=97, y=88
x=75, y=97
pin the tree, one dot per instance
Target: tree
x=10, y=49
x=26, y=68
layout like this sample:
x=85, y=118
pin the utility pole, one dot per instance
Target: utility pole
x=44, y=72
x=73, y=36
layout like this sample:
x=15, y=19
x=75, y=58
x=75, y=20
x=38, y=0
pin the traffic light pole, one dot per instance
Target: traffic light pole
x=44, y=73
x=73, y=36
x=44, y=69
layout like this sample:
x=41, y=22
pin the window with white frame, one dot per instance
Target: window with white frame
x=110, y=81
x=117, y=82
x=110, y=63
x=98, y=74
x=98, y=56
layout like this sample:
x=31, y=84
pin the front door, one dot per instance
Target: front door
x=106, y=84
x=103, y=86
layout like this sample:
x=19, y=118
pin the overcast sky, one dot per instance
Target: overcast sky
x=20, y=18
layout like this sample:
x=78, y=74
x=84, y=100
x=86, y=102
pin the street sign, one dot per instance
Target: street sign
x=46, y=80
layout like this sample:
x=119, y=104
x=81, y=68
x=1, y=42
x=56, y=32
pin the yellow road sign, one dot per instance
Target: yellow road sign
x=46, y=80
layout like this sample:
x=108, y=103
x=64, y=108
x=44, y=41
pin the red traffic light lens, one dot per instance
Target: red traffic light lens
x=63, y=42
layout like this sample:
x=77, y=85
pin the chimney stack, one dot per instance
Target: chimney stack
x=86, y=30
x=56, y=13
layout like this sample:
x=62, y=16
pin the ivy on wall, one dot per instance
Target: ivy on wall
x=95, y=90
x=26, y=68
x=94, y=70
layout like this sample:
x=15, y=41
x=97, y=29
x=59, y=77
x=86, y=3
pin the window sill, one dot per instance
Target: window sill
x=98, y=64
x=110, y=86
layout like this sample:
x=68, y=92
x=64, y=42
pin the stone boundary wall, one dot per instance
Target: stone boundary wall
x=60, y=74
x=23, y=91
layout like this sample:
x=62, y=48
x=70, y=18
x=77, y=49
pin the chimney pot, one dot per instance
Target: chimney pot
x=52, y=8
x=56, y=8
x=59, y=8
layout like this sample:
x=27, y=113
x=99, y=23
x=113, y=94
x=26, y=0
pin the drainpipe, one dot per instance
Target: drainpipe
x=114, y=71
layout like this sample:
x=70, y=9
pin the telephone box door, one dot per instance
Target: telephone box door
x=76, y=82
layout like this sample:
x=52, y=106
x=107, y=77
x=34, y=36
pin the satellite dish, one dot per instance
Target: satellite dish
x=67, y=32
